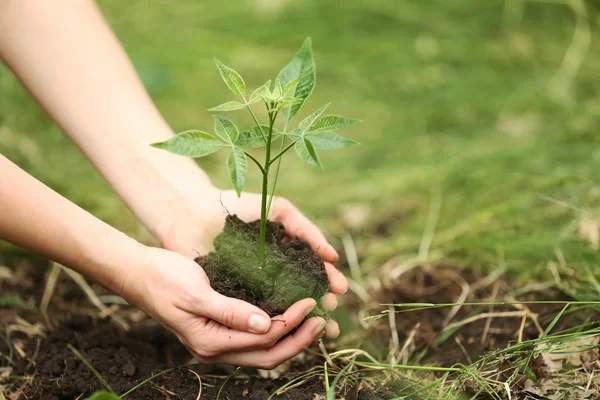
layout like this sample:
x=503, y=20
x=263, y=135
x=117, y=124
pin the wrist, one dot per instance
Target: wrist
x=158, y=188
x=109, y=258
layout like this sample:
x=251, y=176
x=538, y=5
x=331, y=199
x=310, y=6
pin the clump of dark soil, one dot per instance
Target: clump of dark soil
x=292, y=271
x=125, y=359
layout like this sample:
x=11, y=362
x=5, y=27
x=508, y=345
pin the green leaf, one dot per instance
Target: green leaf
x=226, y=129
x=191, y=143
x=332, y=122
x=261, y=92
x=237, y=164
x=307, y=152
x=308, y=122
x=277, y=90
x=253, y=138
x=301, y=67
x=290, y=87
x=229, y=106
x=103, y=396
x=232, y=79
x=330, y=140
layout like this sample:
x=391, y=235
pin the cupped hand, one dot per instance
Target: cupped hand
x=193, y=231
x=216, y=329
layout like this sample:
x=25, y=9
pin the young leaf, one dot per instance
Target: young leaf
x=307, y=152
x=301, y=67
x=229, y=106
x=290, y=87
x=261, y=92
x=253, y=138
x=191, y=144
x=226, y=129
x=331, y=122
x=307, y=122
x=232, y=79
x=277, y=91
x=103, y=396
x=330, y=140
x=237, y=164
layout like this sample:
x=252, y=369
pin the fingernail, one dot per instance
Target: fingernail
x=258, y=324
x=319, y=328
x=310, y=308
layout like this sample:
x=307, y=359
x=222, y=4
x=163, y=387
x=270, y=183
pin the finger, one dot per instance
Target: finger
x=296, y=224
x=234, y=313
x=338, y=283
x=329, y=302
x=220, y=339
x=332, y=329
x=282, y=351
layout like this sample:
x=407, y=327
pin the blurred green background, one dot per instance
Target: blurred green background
x=479, y=129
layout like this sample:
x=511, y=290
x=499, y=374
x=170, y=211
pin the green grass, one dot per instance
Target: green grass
x=466, y=105
x=457, y=97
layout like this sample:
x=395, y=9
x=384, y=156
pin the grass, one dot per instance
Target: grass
x=479, y=138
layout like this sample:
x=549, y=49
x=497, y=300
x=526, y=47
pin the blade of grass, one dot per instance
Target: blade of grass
x=91, y=367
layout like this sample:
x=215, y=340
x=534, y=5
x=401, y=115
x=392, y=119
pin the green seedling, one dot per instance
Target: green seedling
x=282, y=99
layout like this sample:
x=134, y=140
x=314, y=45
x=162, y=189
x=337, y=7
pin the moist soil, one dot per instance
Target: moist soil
x=125, y=359
x=291, y=272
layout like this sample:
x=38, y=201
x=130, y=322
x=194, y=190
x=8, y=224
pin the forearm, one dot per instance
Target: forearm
x=36, y=218
x=76, y=69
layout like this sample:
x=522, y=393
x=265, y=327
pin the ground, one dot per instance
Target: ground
x=478, y=153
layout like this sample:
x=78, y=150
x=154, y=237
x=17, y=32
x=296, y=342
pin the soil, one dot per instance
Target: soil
x=291, y=272
x=126, y=359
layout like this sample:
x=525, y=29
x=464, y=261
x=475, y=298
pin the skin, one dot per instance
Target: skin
x=64, y=47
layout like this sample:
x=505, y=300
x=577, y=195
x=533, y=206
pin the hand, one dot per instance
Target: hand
x=195, y=229
x=216, y=329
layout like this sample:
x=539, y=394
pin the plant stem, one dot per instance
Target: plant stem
x=277, y=169
x=265, y=190
x=282, y=152
x=260, y=167
x=259, y=126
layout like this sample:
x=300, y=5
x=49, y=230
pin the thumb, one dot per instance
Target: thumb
x=236, y=314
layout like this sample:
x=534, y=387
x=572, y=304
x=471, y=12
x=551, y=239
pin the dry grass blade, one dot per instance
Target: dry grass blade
x=93, y=297
x=199, y=383
x=49, y=291
x=504, y=314
x=394, y=339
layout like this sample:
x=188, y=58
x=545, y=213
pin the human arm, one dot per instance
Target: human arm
x=75, y=68
x=168, y=286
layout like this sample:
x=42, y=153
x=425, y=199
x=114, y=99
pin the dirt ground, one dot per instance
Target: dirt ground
x=126, y=358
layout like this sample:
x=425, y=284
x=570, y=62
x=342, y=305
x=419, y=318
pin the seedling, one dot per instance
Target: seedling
x=283, y=99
